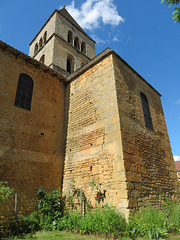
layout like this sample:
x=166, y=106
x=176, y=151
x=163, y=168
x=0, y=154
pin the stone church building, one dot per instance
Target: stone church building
x=68, y=114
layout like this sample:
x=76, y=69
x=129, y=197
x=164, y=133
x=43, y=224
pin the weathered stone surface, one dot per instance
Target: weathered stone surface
x=87, y=127
x=31, y=142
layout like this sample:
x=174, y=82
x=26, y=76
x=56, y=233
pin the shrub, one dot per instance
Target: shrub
x=102, y=221
x=26, y=224
x=50, y=208
x=5, y=191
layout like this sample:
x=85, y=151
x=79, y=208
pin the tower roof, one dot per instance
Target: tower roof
x=63, y=12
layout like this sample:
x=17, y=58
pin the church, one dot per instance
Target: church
x=67, y=115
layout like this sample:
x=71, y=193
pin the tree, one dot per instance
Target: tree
x=176, y=13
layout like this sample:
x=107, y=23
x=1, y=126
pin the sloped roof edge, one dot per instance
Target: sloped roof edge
x=70, y=19
x=43, y=26
x=105, y=53
x=63, y=12
x=30, y=60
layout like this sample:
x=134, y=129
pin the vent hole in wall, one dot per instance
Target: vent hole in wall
x=90, y=168
x=42, y=134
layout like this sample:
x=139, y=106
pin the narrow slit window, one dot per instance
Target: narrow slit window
x=36, y=48
x=42, y=59
x=45, y=37
x=70, y=64
x=24, y=92
x=146, y=111
x=70, y=37
x=83, y=47
x=40, y=43
x=76, y=42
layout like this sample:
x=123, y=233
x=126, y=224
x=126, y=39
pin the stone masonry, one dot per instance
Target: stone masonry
x=86, y=123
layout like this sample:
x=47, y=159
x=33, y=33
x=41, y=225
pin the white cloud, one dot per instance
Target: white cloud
x=178, y=101
x=98, y=40
x=115, y=39
x=176, y=158
x=93, y=12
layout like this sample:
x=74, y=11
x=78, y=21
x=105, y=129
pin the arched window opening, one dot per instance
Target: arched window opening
x=146, y=111
x=76, y=42
x=45, y=37
x=83, y=47
x=70, y=64
x=36, y=48
x=42, y=58
x=40, y=42
x=24, y=92
x=70, y=37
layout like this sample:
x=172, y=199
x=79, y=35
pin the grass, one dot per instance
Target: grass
x=63, y=235
x=53, y=235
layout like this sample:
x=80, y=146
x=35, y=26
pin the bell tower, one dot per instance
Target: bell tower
x=62, y=44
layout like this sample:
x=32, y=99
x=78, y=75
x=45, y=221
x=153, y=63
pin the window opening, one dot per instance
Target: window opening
x=83, y=47
x=42, y=58
x=70, y=64
x=45, y=37
x=24, y=92
x=76, y=42
x=146, y=111
x=36, y=48
x=40, y=42
x=70, y=38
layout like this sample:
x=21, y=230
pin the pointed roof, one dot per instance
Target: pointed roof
x=63, y=12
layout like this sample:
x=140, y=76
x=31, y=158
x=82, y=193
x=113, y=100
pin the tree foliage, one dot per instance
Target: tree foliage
x=176, y=13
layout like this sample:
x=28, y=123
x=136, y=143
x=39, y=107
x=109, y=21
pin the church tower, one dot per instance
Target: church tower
x=62, y=44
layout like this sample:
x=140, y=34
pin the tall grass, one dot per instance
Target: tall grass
x=147, y=223
x=154, y=223
x=102, y=221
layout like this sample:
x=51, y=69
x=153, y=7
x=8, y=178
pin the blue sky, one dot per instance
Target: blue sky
x=142, y=32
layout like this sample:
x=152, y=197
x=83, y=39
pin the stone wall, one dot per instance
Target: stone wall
x=94, y=146
x=31, y=142
x=149, y=163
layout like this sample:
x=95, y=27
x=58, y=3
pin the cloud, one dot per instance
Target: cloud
x=115, y=39
x=176, y=158
x=97, y=39
x=178, y=101
x=94, y=12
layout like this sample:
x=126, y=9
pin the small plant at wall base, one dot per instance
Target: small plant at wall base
x=5, y=191
x=100, y=196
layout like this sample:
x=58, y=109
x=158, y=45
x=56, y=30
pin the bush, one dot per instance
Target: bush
x=27, y=224
x=102, y=221
x=50, y=208
x=5, y=191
